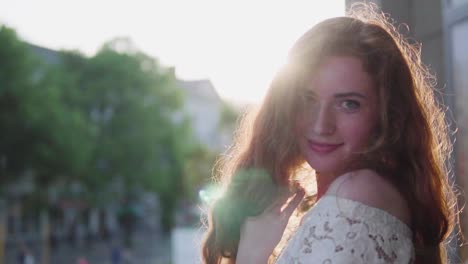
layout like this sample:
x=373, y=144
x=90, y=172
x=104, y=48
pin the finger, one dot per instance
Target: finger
x=276, y=206
x=292, y=205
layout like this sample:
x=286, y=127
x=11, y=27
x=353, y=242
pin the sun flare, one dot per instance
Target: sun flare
x=238, y=45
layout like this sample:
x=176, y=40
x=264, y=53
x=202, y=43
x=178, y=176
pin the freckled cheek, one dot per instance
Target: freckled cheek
x=300, y=126
x=357, y=134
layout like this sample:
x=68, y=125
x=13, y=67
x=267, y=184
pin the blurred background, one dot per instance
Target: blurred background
x=112, y=114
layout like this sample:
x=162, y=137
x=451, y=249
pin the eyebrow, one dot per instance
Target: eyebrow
x=340, y=95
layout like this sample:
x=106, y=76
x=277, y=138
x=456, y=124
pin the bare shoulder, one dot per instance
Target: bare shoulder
x=370, y=188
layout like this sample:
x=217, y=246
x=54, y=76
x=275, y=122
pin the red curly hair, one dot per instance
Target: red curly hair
x=411, y=148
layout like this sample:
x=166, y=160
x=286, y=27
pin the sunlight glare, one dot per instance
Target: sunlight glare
x=238, y=45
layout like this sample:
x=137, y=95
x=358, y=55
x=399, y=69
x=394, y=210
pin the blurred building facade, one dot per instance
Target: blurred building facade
x=204, y=108
x=442, y=28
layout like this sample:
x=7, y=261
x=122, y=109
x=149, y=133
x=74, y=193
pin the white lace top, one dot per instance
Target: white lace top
x=338, y=231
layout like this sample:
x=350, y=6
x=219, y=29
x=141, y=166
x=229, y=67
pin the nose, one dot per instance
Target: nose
x=323, y=121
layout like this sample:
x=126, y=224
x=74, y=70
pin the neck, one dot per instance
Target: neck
x=323, y=182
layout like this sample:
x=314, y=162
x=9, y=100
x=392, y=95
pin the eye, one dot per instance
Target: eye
x=350, y=105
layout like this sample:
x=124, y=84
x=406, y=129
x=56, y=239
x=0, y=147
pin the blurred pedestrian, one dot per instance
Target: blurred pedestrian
x=82, y=260
x=116, y=254
x=25, y=256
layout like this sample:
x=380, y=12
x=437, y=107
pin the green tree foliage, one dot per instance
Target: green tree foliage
x=131, y=103
x=198, y=171
x=34, y=121
x=16, y=80
x=229, y=117
x=113, y=118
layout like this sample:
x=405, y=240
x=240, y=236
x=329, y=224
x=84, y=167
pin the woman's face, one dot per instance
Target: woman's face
x=340, y=115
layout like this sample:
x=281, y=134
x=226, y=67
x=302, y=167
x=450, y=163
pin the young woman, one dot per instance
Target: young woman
x=355, y=104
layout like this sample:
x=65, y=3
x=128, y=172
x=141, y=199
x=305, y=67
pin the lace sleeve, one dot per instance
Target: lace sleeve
x=339, y=231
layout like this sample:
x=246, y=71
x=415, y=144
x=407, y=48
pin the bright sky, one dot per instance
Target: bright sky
x=238, y=45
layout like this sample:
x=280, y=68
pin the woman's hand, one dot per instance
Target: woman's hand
x=260, y=234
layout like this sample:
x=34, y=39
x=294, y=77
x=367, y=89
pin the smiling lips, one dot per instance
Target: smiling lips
x=323, y=148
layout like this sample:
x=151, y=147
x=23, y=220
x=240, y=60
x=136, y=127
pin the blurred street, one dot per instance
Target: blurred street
x=148, y=248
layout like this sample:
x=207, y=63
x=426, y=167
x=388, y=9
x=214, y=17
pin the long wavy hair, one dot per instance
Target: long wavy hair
x=411, y=148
